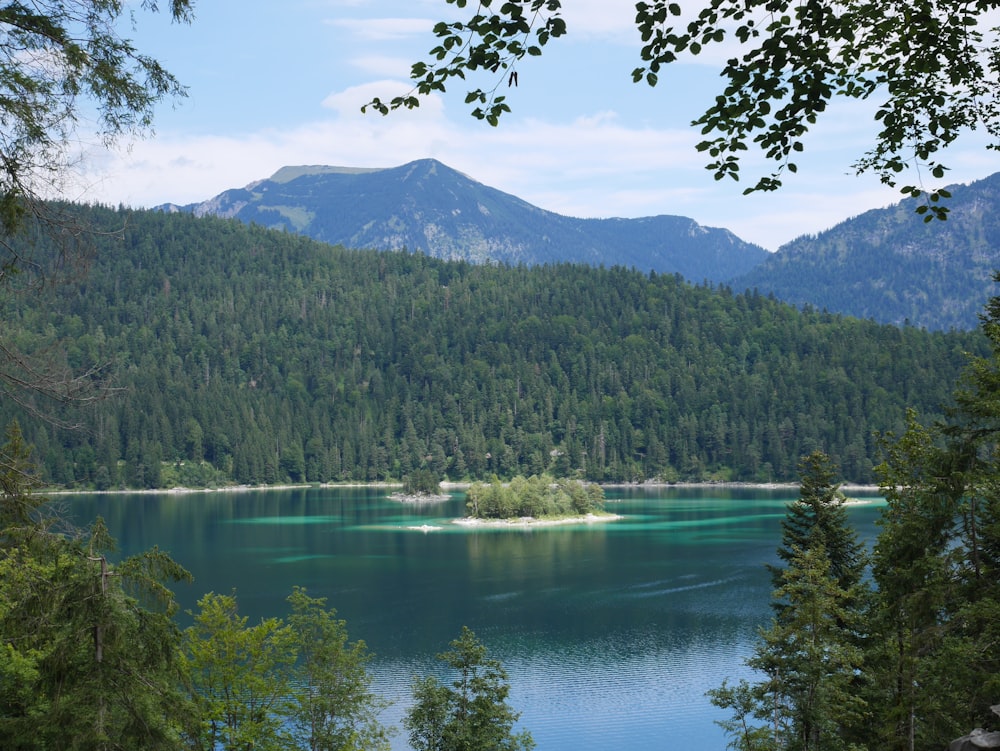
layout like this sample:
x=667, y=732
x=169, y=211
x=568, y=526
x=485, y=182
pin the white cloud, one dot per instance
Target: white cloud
x=383, y=29
x=612, y=19
x=383, y=65
x=597, y=164
x=522, y=154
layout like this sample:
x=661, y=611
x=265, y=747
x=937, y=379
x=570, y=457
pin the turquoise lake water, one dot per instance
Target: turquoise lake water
x=611, y=633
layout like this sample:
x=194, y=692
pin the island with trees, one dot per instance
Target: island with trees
x=422, y=486
x=539, y=499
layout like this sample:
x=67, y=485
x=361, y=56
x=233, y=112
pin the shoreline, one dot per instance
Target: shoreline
x=446, y=486
x=530, y=521
x=418, y=499
x=226, y=489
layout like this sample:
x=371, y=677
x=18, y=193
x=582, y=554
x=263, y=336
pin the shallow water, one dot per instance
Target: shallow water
x=611, y=633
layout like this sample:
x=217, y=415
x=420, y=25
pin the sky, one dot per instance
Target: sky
x=273, y=84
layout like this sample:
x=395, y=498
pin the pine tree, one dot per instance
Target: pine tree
x=912, y=571
x=819, y=517
x=810, y=658
x=809, y=663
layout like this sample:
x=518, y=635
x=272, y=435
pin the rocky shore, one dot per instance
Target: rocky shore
x=530, y=521
x=419, y=497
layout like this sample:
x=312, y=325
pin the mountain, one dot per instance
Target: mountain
x=427, y=207
x=888, y=265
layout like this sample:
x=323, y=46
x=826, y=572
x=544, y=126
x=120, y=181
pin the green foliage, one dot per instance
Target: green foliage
x=486, y=41
x=747, y=704
x=364, y=366
x=88, y=646
x=535, y=496
x=19, y=503
x=819, y=517
x=61, y=60
x=935, y=64
x=472, y=713
x=421, y=482
x=92, y=659
x=915, y=563
x=278, y=684
x=935, y=563
x=333, y=707
x=811, y=657
x=240, y=678
x=184, y=474
x=911, y=665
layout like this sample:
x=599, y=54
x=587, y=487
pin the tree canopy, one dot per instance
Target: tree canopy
x=902, y=659
x=62, y=61
x=472, y=712
x=92, y=658
x=932, y=67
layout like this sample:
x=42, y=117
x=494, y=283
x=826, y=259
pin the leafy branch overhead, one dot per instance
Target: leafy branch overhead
x=932, y=68
x=491, y=42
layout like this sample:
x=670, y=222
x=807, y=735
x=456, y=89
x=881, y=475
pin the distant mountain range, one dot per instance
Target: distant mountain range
x=885, y=264
x=427, y=207
x=891, y=266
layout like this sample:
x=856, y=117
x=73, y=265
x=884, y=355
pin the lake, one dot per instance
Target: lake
x=611, y=633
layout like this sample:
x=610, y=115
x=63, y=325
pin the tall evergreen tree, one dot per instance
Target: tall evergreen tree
x=809, y=662
x=912, y=570
x=819, y=517
x=810, y=658
x=935, y=564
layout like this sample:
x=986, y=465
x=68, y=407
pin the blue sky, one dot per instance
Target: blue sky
x=273, y=84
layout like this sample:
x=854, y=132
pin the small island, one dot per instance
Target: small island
x=537, y=500
x=420, y=487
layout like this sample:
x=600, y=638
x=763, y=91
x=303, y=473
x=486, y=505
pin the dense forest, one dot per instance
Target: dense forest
x=253, y=356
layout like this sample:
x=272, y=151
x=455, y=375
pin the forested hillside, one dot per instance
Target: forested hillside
x=271, y=357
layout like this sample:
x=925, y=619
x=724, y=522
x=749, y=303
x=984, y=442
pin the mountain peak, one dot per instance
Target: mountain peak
x=292, y=172
x=426, y=206
x=289, y=173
